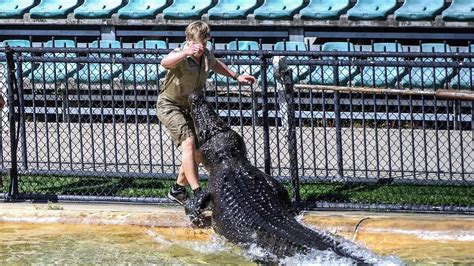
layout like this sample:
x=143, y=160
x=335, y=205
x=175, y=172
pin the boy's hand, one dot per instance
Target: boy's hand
x=247, y=79
x=194, y=49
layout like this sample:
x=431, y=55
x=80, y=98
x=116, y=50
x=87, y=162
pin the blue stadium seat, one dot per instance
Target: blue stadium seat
x=381, y=76
x=324, y=75
x=100, y=72
x=144, y=73
x=26, y=66
x=53, y=9
x=253, y=70
x=15, y=8
x=299, y=72
x=419, y=10
x=187, y=9
x=465, y=79
x=97, y=8
x=459, y=10
x=56, y=72
x=232, y=9
x=429, y=77
x=278, y=9
x=371, y=9
x=324, y=9
x=141, y=9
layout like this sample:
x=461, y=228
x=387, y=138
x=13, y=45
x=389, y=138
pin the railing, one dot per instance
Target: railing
x=84, y=125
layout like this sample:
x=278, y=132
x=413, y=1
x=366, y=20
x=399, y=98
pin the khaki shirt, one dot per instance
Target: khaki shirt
x=187, y=76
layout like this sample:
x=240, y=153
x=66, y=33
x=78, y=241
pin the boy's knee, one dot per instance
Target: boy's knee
x=188, y=144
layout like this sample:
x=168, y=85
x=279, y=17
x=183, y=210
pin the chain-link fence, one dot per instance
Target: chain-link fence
x=347, y=129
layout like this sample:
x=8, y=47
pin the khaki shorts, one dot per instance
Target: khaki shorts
x=176, y=119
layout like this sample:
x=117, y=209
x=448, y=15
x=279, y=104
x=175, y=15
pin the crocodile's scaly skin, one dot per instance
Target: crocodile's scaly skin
x=248, y=205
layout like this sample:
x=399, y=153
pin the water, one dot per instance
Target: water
x=93, y=244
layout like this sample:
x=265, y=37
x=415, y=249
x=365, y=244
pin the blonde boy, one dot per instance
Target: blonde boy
x=188, y=68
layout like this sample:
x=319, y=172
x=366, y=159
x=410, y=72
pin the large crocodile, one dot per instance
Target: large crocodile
x=249, y=206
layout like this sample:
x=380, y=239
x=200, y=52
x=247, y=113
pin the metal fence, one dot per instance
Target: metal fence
x=80, y=123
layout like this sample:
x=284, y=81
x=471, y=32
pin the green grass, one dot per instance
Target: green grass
x=436, y=195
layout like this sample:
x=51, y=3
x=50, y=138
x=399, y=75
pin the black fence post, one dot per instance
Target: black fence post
x=21, y=113
x=266, y=129
x=284, y=76
x=13, y=171
x=337, y=118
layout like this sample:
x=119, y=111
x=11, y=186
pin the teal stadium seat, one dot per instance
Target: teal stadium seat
x=97, y=8
x=278, y=9
x=253, y=70
x=27, y=67
x=459, y=10
x=324, y=75
x=299, y=72
x=50, y=72
x=382, y=76
x=187, y=9
x=324, y=9
x=419, y=10
x=15, y=8
x=465, y=79
x=144, y=73
x=141, y=9
x=100, y=72
x=372, y=9
x=53, y=9
x=429, y=77
x=232, y=9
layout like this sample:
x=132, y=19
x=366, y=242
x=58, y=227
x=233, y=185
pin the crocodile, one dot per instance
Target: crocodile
x=249, y=206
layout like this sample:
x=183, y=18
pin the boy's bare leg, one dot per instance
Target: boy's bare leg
x=188, y=170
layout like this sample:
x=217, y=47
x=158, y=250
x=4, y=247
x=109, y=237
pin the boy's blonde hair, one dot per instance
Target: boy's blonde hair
x=198, y=31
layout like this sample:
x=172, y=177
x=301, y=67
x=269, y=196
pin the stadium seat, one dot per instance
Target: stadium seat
x=141, y=9
x=371, y=9
x=100, y=72
x=381, y=76
x=429, y=77
x=97, y=8
x=324, y=75
x=53, y=9
x=299, y=72
x=459, y=10
x=15, y=8
x=324, y=9
x=143, y=73
x=232, y=9
x=187, y=9
x=50, y=72
x=278, y=9
x=465, y=79
x=26, y=66
x=253, y=70
x=419, y=10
